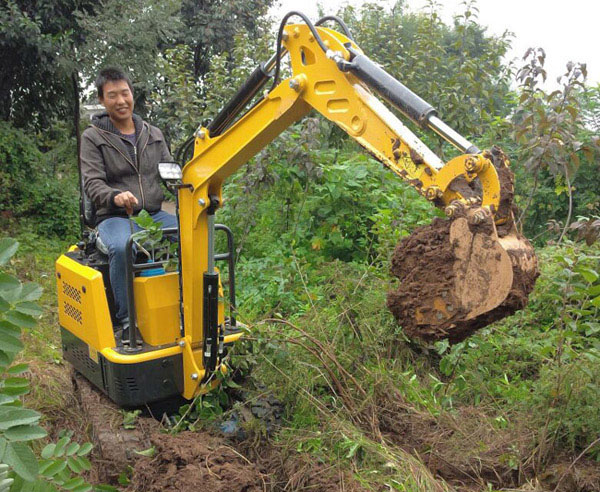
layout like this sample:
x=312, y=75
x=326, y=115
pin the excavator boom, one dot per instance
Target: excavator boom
x=331, y=75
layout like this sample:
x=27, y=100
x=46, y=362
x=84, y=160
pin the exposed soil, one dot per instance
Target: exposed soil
x=199, y=460
x=115, y=446
x=444, y=293
x=195, y=461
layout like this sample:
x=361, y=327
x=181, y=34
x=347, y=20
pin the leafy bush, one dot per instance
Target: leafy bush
x=62, y=462
x=18, y=156
x=40, y=186
x=52, y=207
x=543, y=361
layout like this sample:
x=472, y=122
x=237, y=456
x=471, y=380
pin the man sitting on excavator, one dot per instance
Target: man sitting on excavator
x=119, y=163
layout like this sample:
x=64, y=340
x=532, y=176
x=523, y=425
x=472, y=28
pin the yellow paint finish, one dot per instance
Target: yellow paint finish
x=338, y=106
x=192, y=365
x=82, y=306
x=339, y=97
x=487, y=176
x=233, y=338
x=134, y=358
x=157, y=308
x=215, y=159
x=324, y=87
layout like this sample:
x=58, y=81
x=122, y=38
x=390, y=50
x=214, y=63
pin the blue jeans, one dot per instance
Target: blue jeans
x=114, y=233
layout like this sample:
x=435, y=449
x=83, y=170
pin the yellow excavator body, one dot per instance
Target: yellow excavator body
x=452, y=275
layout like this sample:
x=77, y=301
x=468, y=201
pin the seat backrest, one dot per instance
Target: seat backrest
x=87, y=210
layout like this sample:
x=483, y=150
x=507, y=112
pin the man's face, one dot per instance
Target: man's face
x=118, y=100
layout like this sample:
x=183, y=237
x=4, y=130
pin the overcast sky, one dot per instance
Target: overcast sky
x=566, y=29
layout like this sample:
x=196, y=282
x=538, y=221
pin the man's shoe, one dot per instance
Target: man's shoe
x=125, y=335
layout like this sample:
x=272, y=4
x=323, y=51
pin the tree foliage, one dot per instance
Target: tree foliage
x=131, y=35
x=36, y=39
x=211, y=27
x=550, y=128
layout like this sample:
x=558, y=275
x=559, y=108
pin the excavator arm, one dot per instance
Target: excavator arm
x=332, y=76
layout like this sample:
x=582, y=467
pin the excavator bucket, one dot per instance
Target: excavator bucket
x=460, y=274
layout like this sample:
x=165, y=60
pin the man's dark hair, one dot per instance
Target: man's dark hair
x=111, y=73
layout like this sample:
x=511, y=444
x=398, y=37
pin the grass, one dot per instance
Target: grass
x=493, y=412
x=34, y=262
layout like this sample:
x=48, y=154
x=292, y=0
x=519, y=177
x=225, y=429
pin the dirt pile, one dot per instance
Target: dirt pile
x=443, y=294
x=195, y=461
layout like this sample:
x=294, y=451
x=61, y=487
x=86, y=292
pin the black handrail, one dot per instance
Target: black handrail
x=132, y=267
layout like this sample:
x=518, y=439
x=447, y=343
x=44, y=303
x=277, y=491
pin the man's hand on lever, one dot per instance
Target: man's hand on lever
x=126, y=200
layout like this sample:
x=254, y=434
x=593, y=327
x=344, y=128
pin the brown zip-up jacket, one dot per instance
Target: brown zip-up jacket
x=110, y=164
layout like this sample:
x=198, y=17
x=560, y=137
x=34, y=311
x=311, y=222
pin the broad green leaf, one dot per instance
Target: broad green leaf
x=72, y=449
x=54, y=468
x=14, y=416
x=8, y=247
x=16, y=390
x=31, y=292
x=20, y=319
x=48, y=451
x=595, y=301
x=7, y=328
x=61, y=445
x=8, y=343
x=25, y=433
x=8, y=283
x=74, y=464
x=30, y=308
x=22, y=460
x=3, y=444
x=5, y=357
x=587, y=273
x=85, y=449
x=4, y=305
x=16, y=382
x=18, y=369
x=4, y=399
x=83, y=462
x=5, y=484
x=74, y=482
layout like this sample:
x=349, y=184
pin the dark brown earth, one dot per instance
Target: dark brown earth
x=195, y=461
x=198, y=460
x=202, y=461
x=426, y=263
x=423, y=262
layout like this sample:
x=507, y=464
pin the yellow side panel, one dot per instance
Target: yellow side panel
x=82, y=305
x=157, y=308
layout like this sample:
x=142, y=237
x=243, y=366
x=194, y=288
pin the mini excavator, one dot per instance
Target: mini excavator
x=184, y=325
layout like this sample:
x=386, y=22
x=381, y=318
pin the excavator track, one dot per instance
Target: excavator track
x=460, y=274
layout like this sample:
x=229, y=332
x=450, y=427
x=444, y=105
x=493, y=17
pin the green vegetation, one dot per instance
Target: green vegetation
x=59, y=465
x=316, y=221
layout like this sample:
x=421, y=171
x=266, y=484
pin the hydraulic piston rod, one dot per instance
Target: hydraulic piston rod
x=401, y=97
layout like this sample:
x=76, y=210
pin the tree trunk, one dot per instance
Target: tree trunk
x=76, y=127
